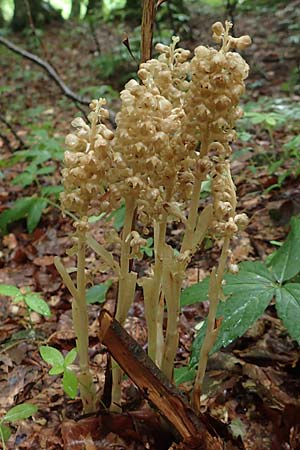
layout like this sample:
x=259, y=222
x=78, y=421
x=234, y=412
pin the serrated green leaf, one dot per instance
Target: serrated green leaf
x=248, y=294
x=70, y=383
x=20, y=412
x=288, y=308
x=96, y=294
x=5, y=432
x=70, y=357
x=35, y=213
x=196, y=293
x=184, y=374
x=17, y=211
x=51, y=355
x=285, y=263
x=56, y=370
x=9, y=290
x=35, y=302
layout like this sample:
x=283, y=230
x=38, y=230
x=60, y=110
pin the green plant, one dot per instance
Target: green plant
x=61, y=365
x=32, y=300
x=248, y=294
x=43, y=150
x=18, y=412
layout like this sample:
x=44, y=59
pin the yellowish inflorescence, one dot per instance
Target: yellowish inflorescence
x=175, y=128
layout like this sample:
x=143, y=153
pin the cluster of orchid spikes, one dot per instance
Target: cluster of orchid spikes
x=174, y=130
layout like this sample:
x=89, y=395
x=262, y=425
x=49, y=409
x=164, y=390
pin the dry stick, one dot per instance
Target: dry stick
x=48, y=68
x=155, y=386
x=54, y=75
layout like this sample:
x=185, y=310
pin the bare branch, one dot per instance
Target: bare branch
x=52, y=74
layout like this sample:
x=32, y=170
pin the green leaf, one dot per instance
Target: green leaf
x=20, y=412
x=35, y=302
x=51, y=355
x=70, y=383
x=35, y=213
x=196, y=293
x=17, y=211
x=119, y=216
x=24, y=179
x=288, y=308
x=248, y=294
x=96, y=294
x=56, y=370
x=49, y=190
x=9, y=290
x=286, y=262
x=184, y=374
x=46, y=170
x=70, y=357
x=5, y=432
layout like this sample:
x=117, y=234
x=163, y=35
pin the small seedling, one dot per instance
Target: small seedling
x=19, y=412
x=33, y=300
x=61, y=365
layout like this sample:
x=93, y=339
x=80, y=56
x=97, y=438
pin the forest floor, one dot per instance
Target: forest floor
x=254, y=384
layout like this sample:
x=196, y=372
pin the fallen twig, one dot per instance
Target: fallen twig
x=155, y=386
x=52, y=74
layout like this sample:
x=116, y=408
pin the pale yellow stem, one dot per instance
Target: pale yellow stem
x=126, y=291
x=80, y=323
x=212, y=329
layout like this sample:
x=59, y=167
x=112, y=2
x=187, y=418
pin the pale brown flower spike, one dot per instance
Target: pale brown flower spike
x=174, y=129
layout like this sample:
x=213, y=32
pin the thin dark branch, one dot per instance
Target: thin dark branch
x=52, y=74
x=48, y=68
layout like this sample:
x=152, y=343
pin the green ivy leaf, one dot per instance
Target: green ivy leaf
x=70, y=357
x=288, y=308
x=96, y=294
x=9, y=290
x=20, y=412
x=70, y=383
x=51, y=356
x=35, y=302
x=248, y=294
x=35, y=213
x=285, y=263
x=5, y=432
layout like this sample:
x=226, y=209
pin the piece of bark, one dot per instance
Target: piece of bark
x=156, y=388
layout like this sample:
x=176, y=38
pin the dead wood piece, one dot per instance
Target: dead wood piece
x=154, y=385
